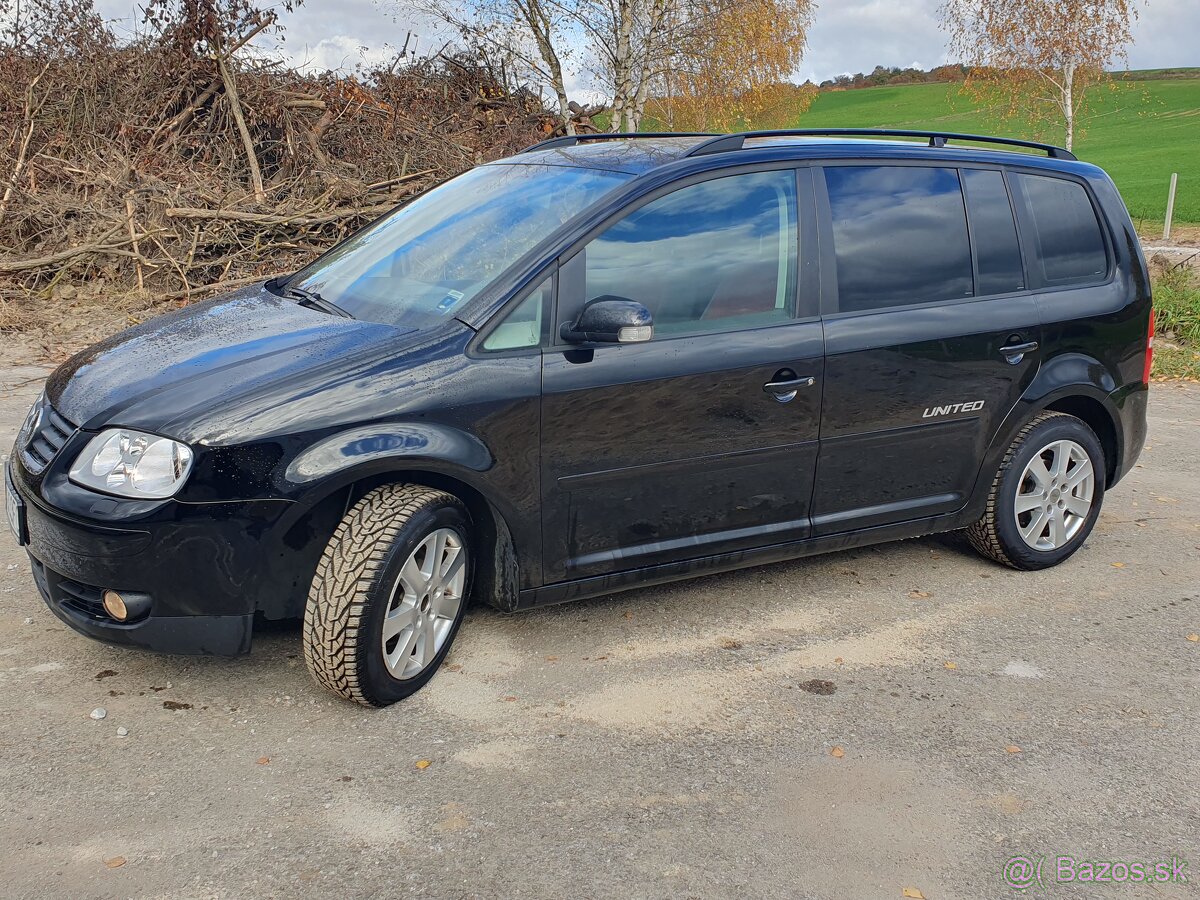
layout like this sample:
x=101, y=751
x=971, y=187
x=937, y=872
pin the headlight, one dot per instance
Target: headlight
x=133, y=464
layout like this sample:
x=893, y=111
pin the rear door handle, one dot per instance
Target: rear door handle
x=1014, y=352
x=783, y=391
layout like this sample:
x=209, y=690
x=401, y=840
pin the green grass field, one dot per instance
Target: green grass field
x=1139, y=133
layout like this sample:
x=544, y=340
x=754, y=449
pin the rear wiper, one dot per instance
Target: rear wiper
x=314, y=300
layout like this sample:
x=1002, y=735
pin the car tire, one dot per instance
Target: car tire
x=1038, y=514
x=389, y=594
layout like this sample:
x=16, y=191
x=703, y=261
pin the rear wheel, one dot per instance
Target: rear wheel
x=389, y=594
x=1046, y=497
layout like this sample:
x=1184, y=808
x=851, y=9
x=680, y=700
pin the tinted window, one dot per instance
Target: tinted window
x=1067, y=235
x=900, y=235
x=995, y=233
x=714, y=256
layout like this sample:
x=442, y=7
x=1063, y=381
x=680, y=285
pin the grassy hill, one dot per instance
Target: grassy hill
x=1140, y=133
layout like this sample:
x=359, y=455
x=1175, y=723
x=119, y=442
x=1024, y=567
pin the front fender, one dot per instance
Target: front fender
x=384, y=446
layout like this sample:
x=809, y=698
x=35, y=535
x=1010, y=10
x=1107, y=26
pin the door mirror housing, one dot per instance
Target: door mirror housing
x=610, y=320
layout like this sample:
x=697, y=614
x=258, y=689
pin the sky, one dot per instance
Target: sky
x=846, y=36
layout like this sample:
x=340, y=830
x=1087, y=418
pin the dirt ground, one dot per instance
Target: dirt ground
x=680, y=741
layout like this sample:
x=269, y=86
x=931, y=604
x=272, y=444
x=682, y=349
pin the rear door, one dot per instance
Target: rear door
x=931, y=337
x=675, y=449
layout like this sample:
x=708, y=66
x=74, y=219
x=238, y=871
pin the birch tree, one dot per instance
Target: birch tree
x=1039, y=57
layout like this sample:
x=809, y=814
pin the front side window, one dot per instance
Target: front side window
x=899, y=235
x=713, y=256
x=1070, y=246
x=425, y=261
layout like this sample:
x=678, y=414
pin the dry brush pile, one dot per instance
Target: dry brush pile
x=154, y=171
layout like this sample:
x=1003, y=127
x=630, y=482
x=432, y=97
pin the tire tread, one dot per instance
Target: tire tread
x=345, y=576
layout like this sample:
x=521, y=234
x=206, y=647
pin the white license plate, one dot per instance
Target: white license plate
x=14, y=507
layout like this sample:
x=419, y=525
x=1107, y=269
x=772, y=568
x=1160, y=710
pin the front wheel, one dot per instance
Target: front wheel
x=389, y=594
x=1046, y=496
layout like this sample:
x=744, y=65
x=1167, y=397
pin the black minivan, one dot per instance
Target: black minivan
x=608, y=361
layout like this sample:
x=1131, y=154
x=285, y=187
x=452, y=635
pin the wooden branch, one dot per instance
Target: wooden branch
x=391, y=182
x=223, y=284
x=104, y=246
x=141, y=283
x=260, y=195
x=31, y=112
x=305, y=218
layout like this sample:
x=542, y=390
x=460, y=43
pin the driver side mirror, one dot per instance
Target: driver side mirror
x=610, y=320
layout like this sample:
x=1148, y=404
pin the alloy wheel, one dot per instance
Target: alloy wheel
x=1054, y=496
x=424, y=604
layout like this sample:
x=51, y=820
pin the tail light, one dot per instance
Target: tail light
x=1149, y=350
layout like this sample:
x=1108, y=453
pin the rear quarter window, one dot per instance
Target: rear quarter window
x=1068, y=241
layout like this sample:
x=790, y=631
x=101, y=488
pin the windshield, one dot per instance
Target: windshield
x=427, y=259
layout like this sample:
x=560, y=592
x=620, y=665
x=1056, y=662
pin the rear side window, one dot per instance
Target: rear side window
x=1067, y=236
x=996, y=250
x=899, y=234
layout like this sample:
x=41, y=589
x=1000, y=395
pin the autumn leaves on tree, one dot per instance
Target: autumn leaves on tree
x=1036, y=59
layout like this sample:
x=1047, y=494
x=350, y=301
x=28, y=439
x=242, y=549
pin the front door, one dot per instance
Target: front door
x=931, y=338
x=676, y=448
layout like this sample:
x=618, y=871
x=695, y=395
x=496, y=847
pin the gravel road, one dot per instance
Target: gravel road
x=905, y=716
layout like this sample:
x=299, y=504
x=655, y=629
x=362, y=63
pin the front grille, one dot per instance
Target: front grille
x=43, y=444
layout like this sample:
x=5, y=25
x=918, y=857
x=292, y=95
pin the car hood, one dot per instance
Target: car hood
x=189, y=373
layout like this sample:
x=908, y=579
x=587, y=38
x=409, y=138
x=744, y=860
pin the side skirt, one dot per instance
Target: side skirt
x=600, y=585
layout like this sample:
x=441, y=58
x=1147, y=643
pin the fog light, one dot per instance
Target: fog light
x=114, y=605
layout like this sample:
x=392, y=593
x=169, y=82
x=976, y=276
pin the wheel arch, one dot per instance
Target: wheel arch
x=300, y=537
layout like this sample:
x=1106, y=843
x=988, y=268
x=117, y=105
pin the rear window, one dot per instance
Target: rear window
x=899, y=235
x=1067, y=236
x=996, y=250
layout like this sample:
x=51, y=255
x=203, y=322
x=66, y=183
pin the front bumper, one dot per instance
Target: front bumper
x=79, y=606
x=201, y=564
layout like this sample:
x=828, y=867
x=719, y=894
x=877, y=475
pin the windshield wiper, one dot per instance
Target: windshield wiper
x=314, y=300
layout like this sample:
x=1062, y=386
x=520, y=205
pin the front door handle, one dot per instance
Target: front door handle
x=783, y=391
x=1014, y=352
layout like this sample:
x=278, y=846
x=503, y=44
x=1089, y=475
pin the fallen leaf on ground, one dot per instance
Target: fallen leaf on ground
x=263, y=760
x=837, y=752
x=731, y=644
x=454, y=667
x=551, y=659
x=913, y=893
x=1117, y=565
x=106, y=673
x=1193, y=637
x=920, y=595
x=423, y=764
x=950, y=664
x=837, y=660
x=628, y=614
x=115, y=863
x=1012, y=748
x=509, y=699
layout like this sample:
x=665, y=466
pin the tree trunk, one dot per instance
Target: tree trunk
x=1069, y=102
x=623, y=69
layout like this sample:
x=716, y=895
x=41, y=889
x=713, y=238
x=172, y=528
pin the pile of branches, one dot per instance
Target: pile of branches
x=135, y=173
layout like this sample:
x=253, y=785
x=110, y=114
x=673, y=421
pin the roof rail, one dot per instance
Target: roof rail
x=570, y=140
x=726, y=142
